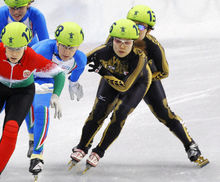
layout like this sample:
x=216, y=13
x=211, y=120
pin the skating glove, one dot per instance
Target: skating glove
x=43, y=88
x=75, y=89
x=54, y=103
x=96, y=66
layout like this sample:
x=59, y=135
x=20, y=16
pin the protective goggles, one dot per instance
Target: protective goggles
x=17, y=8
x=67, y=47
x=15, y=49
x=141, y=27
x=125, y=42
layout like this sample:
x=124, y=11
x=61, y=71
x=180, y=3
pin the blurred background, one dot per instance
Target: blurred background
x=175, y=18
x=189, y=30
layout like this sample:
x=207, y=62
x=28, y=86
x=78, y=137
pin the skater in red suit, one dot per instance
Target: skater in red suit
x=17, y=66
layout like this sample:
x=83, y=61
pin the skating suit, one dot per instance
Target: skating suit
x=156, y=97
x=14, y=78
x=17, y=92
x=122, y=87
x=38, y=118
x=34, y=20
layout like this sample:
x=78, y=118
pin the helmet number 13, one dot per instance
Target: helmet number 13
x=152, y=16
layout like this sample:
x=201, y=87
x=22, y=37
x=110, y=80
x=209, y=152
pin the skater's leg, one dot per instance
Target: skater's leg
x=125, y=105
x=41, y=124
x=17, y=105
x=30, y=127
x=104, y=103
x=157, y=102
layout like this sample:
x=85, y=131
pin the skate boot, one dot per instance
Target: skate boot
x=31, y=148
x=76, y=156
x=92, y=161
x=36, y=166
x=194, y=155
x=193, y=152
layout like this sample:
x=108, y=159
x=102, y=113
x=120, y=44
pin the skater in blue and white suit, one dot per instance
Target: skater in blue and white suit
x=64, y=51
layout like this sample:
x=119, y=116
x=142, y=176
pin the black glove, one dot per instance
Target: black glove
x=94, y=67
x=98, y=68
x=93, y=58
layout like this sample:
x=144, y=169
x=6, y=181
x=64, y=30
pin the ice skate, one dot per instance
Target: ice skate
x=194, y=155
x=76, y=157
x=92, y=161
x=36, y=166
x=31, y=148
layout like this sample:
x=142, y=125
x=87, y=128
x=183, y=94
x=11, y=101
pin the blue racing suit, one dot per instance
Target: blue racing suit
x=38, y=118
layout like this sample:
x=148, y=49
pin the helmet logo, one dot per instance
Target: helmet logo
x=10, y=40
x=136, y=13
x=122, y=29
x=71, y=37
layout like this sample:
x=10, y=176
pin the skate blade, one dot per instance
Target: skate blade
x=35, y=178
x=71, y=164
x=201, y=162
x=88, y=166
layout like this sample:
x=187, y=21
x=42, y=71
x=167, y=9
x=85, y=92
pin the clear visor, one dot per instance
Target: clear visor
x=18, y=8
x=68, y=47
x=123, y=41
x=15, y=48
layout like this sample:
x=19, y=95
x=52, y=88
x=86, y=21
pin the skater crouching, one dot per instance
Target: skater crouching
x=17, y=66
x=125, y=79
x=145, y=19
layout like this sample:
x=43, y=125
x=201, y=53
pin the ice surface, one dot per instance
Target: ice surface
x=145, y=150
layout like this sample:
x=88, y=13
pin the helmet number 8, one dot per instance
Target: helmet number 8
x=59, y=29
x=24, y=34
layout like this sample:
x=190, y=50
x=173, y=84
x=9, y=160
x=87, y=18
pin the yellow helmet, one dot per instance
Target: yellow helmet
x=17, y=3
x=69, y=34
x=16, y=35
x=125, y=29
x=142, y=13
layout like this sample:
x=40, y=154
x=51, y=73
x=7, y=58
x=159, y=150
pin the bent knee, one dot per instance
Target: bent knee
x=11, y=129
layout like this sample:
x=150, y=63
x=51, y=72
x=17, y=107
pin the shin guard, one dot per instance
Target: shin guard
x=8, y=142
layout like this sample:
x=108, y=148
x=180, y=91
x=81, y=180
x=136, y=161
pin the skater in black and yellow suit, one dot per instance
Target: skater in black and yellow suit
x=155, y=98
x=126, y=78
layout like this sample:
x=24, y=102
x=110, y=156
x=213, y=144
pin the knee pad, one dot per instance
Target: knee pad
x=8, y=142
x=10, y=130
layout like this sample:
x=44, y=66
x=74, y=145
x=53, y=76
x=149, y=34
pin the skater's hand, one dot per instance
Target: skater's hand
x=54, y=102
x=98, y=69
x=75, y=89
x=43, y=88
x=94, y=67
x=94, y=64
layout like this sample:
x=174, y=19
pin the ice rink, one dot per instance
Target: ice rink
x=145, y=150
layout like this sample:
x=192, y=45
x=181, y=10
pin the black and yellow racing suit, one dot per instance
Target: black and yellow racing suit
x=156, y=97
x=120, y=90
